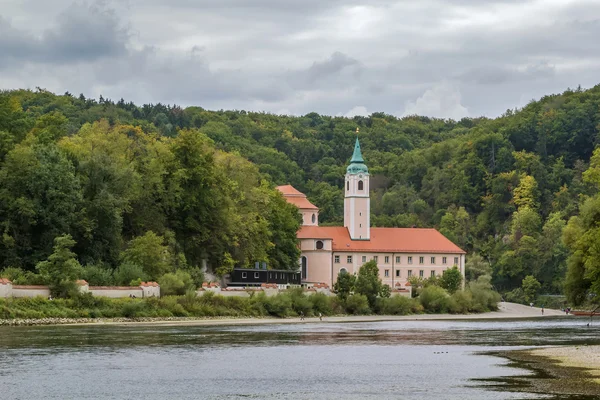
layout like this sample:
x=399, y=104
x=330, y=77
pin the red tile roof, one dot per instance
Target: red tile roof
x=295, y=197
x=4, y=281
x=384, y=240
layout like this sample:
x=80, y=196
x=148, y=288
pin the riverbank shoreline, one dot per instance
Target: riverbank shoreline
x=564, y=370
x=505, y=311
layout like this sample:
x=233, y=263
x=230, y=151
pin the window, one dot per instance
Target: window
x=421, y=272
x=336, y=259
x=410, y=259
x=256, y=275
x=375, y=258
x=397, y=259
x=433, y=273
x=409, y=273
x=432, y=260
x=319, y=245
x=387, y=273
x=360, y=225
x=421, y=260
x=444, y=260
x=244, y=275
x=455, y=260
x=343, y=271
x=304, y=267
x=364, y=259
x=397, y=273
x=347, y=185
x=314, y=218
x=360, y=185
x=349, y=259
x=387, y=259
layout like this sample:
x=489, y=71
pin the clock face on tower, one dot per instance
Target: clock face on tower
x=360, y=176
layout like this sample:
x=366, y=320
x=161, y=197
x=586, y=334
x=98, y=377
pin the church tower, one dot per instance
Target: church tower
x=357, y=204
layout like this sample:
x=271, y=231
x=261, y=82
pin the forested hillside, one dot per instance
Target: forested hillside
x=108, y=173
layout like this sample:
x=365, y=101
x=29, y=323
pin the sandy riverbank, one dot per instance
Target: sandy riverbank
x=559, y=371
x=506, y=311
x=587, y=357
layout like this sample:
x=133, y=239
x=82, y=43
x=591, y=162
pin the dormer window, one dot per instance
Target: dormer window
x=319, y=245
x=314, y=218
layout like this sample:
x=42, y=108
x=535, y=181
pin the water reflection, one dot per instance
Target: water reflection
x=417, y=359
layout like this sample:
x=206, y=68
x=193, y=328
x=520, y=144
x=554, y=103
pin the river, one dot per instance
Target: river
x=374, y=360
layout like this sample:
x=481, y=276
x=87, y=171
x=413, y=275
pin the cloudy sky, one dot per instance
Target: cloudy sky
x=443, y=58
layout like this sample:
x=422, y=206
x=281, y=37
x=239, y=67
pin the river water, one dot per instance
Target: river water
x=375, y=360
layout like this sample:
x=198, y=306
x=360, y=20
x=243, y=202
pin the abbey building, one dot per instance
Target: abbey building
x=399, y=252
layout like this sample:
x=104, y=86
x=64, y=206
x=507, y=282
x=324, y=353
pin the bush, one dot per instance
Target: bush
x=357, y=304
x=321, y=303
x=484, y=298
x=175, y=283
x=461, y=302
x=126, y=273
x=97, y=275
x=515, y=296
x=396, y=305
x=434, y=299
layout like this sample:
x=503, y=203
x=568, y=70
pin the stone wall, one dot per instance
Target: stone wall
x=146, y=289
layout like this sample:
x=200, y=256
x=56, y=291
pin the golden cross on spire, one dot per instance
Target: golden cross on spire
x=357, y=130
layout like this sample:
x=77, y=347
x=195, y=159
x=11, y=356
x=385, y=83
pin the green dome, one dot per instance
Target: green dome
x=357, y=163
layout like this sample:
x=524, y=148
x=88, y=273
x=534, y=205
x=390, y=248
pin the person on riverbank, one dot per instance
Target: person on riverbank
x=320, y=317
x=301, y=316
x=542, y=310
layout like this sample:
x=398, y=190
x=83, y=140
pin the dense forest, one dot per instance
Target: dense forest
x=519, y=193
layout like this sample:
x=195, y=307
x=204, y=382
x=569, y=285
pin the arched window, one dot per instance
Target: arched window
x=360, y=185
x=314, y=218
x=304, y=267
x=343, y=271
x=319, y=245
x=347, y=185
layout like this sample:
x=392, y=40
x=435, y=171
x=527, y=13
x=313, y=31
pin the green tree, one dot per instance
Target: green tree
x=477, y=266
x=531, y=288
x=150, y=253
x=61, y=269
x=368, y=283
x=344, y=285
x=451, y=279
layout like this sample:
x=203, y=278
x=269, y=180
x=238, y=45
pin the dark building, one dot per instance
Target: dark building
x=256, y=277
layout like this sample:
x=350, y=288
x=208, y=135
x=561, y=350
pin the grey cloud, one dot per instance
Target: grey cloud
x=81, y=33
x=445, y=57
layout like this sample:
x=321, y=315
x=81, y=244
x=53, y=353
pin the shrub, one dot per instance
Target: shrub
x=484, y=298
x=279, y=305
x=461, y=302
x=128, y=272
x=396, y=305
x=175, y=283
x=97, y=275
x=434, y=299
x=357, y=304
x=321, y=303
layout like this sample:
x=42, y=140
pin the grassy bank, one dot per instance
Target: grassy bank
x=288, y=304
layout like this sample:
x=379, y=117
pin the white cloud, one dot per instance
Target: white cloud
x=441, y=101
x=357, y=110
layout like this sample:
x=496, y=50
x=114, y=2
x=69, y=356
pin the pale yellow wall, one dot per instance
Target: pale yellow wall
x=16, y=292
x=307, y=217
x=112, y=293
x=318, y=266
x=392, y=266
x=311, y=244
